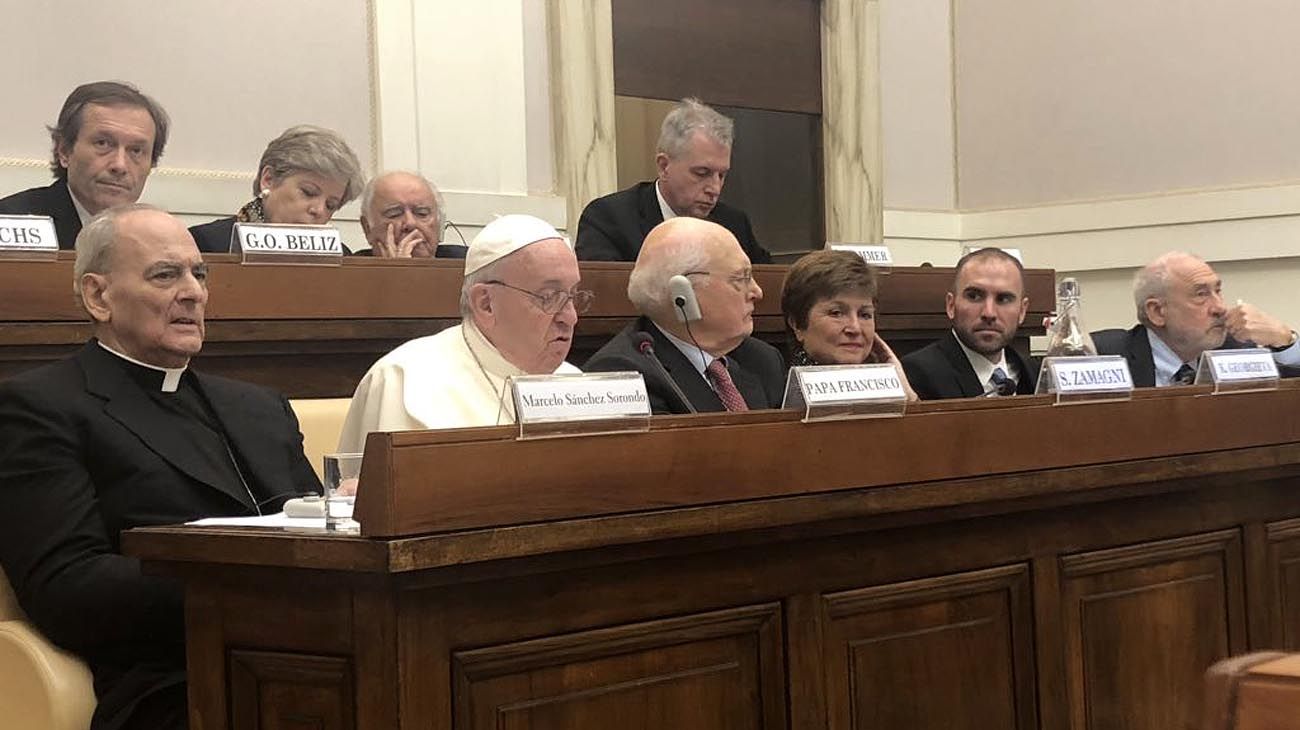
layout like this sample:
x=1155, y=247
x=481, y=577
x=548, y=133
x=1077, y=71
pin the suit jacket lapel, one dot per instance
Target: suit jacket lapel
x=749, y=386
x=129, y=405
x=649, y=214
x=244, y=420
x=963, y=373
x=1141, y=363
x=67, y=224
x=686, y=375
x=1028, y=371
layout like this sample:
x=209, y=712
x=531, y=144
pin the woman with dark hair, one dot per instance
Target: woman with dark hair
x=304, y=177
x=829, y=303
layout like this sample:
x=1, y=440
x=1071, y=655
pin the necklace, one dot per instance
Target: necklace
x=500, y=394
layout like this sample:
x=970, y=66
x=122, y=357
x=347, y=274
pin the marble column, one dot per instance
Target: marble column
x=851, y=121
x=582, y=100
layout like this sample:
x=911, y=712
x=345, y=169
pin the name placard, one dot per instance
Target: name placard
x=1254, y=365
x=1099, y=374
x=551, y=399
x=835, y=384
x=28, y=233
x=874, y=255
x=280, y=240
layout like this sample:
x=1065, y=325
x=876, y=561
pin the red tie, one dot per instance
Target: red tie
x=726, y=390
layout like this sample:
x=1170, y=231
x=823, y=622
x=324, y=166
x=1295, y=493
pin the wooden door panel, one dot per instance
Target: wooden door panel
x=1144, y=622
x=721, y=669
x=951, y=653
x=1284, y=584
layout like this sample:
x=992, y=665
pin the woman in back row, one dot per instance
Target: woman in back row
x=304, y=177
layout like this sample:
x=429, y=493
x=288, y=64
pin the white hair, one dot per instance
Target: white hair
x=368, y=193
x=690, y=116
x=487, y=273
x=1152, y=281
x=647, y=285
x=95, y=242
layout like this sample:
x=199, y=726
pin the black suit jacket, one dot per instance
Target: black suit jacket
x=1136, y=349
x=53, y=200
x=612, y=227
x=942, y=370
x=83, y=456
x=214, y=237
x=755, y=367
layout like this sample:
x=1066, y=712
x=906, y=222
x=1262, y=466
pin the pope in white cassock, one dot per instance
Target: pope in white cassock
x=519, y=303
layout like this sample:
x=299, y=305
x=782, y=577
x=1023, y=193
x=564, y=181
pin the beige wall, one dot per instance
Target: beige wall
x=1095, y=136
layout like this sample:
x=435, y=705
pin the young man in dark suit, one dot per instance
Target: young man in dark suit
x=123, y=434
x=692, y=342
x=693, y=159
x=986, y=305
x=107, y=140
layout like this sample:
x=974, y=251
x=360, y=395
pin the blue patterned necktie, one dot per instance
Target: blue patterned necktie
x=1001, y=383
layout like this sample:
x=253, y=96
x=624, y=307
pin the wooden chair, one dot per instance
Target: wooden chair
x=42, y=687
x=1258, y=691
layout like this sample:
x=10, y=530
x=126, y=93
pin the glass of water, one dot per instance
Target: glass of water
x=342, y=472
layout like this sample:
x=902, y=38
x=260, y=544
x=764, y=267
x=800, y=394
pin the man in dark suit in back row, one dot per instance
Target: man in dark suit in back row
x=123, y=435
x=695, y=290
x=694, y=157
x=987, y=305
x=107, y=140
x=1181, y=314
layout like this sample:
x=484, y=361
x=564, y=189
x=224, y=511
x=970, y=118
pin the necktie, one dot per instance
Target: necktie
x=724, y=387
x=1185, y=375
x=1001, y=383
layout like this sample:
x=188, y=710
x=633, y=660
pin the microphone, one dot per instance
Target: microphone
x=645, y=345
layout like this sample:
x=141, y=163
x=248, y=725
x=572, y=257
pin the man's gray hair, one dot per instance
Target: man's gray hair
x=306, y=148
x=95, y=242
x=368, y=193
x=1152, y=281
x=647, y=285
x=690, y=116
x=487, y=273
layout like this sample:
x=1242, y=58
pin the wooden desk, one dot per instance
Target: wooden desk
x=978, y=564
x=311, y=331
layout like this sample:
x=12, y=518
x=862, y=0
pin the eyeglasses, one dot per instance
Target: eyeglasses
x=741, y=281
x=553, y=301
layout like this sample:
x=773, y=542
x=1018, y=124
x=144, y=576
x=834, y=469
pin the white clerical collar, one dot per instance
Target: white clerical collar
x=487, y=353
x=1165, y=359
x=171, y=376
x=985, y=367
x=697, y=356
x=82, y=213
x=664, y=207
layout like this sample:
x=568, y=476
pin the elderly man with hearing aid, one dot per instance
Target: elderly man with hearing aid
x=695, y=290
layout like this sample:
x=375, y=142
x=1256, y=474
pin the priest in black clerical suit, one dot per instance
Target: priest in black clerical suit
x=53, y=200
x=124, y=435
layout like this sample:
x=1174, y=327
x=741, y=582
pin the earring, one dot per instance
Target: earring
x=265, y=192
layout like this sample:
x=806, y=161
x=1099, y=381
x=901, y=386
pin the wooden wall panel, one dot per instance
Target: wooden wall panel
x=760, y=54
x=273, y=691
x=1144, y=622
x=1284, y=584
x=966, y=638
x=722, y=669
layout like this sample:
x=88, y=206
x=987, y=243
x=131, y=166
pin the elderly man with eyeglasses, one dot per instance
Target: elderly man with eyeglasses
x=519, y=302
x=696, y=293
